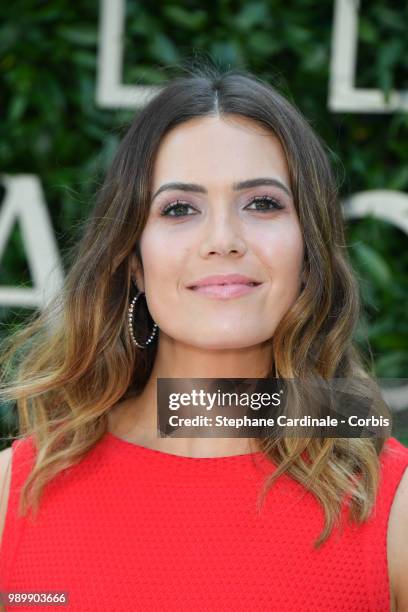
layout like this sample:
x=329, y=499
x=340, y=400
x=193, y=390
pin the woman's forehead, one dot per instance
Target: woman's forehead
x=219, y=152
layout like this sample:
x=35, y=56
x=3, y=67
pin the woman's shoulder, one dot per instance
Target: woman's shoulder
x=393, y=461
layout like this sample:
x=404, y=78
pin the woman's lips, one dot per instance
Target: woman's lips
x=225, y=292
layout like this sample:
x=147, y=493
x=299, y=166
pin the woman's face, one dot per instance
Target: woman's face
x=218, y=229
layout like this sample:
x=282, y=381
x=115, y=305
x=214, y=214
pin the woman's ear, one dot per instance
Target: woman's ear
x=136, y=270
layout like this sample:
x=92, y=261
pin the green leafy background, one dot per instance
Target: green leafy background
x=51, y=125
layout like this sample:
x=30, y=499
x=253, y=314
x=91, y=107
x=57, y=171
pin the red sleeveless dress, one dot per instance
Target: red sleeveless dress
x=136, y=529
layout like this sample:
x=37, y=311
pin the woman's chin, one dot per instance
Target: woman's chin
x=224, y=341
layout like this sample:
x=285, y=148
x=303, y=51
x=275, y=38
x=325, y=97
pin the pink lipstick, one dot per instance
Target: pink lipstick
x=225, y=286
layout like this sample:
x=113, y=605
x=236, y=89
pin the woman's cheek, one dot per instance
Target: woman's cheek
x=281, y=245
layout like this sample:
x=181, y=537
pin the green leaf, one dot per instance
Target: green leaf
x=225, y=52
x=143, y=73
x=84, y=37
x=252, y=14
x=85, y=59
x=391, y=363
x=395, y=341
x=367, y=32
x=17, y=107
x=163, y=49
x=399, y=181
x=191, y=20
x=263, y=43
x=373, y=263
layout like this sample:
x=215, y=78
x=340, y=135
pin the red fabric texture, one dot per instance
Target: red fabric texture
x=132, y=528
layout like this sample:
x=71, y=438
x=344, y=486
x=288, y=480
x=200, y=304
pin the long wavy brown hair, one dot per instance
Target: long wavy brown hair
x=75, y=359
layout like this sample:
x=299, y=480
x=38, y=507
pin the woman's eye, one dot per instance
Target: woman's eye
x=179, y=208
x=176, y=206
x=267, y=202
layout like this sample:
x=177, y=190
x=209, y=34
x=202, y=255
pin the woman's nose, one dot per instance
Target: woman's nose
x=223, y=236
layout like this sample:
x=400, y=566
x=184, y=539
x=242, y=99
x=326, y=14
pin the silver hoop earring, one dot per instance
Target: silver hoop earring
x=130, y=324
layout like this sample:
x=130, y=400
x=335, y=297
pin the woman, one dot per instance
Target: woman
x=217, y=175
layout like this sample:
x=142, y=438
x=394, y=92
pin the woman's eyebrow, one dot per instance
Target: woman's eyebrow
x=235, y=186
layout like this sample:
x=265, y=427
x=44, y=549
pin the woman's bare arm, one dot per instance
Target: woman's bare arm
x=397, y=545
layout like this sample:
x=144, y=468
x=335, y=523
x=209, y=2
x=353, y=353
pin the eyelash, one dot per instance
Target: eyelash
x=276, y=205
